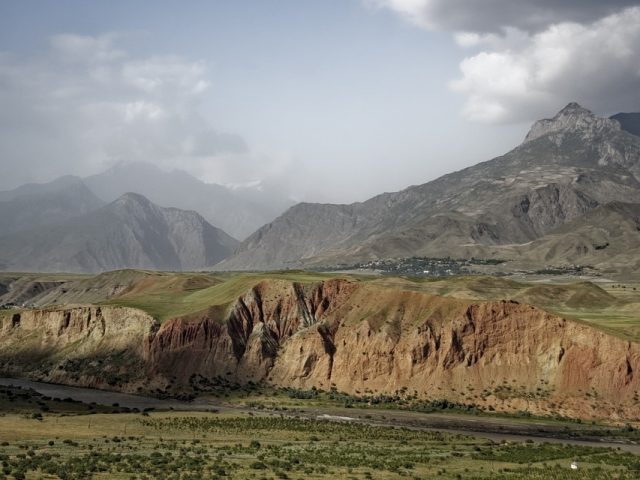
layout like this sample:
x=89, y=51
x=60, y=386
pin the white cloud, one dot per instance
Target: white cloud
x=531, y=57
x=86, y=103
x=595, y=64
x=469, y=39
x=143, y=110
x=486, y=16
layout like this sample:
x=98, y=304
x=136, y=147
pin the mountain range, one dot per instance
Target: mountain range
x=568, y=194
x=238, y=211
x=567, y=167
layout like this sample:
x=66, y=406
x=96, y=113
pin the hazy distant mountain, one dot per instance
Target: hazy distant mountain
x=567, y=166
x=34, y=205
x=130, y=232
x=629, y=121
x=237, y=211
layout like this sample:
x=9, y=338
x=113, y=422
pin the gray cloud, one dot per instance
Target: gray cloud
x=86, y=104
x=531, y=57
x=596, y=64
x=491, y=16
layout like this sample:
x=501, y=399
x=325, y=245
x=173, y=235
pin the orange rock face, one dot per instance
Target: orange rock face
x=360, y=339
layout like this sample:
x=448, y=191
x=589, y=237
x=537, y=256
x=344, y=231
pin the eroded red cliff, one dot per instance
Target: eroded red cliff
x=356, y=337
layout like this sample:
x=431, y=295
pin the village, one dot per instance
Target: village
x=420, y=266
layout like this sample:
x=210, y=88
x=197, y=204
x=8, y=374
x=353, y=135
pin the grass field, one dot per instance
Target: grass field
x=612, y=307
x=70, y=440
x=175, y=445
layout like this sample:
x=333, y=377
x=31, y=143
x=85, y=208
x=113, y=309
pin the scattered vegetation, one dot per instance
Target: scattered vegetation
x=181, y=446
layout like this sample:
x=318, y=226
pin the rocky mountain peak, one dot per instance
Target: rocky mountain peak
x=574, y=108
x=131, y=198
x=573, y=118
x=133, y=205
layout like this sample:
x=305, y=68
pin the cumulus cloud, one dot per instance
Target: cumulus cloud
x=486, y=16
x=597, y=64
x=530, y=57
x=86, y=103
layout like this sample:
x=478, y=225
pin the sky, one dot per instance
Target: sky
x=324, y=100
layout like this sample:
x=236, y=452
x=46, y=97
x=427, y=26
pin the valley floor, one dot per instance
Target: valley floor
x=278, y=439
x=495, y=344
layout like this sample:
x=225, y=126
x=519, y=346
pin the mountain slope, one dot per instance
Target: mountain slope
x=239, y=212
x=130, y=232
x=608, y=237
x=567, y=166
x=35, y=205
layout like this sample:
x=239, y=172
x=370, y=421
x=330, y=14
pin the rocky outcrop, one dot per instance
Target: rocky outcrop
x=243, y=344
x=548, y=207
x=501, y=354
x=573, y=119
x=84, y=345
x=356, y=337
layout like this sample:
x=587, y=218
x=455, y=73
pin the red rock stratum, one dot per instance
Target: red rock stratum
x=356, y=337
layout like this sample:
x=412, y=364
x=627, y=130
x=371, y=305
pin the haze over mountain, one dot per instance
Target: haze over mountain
x=567, y=166
x=34, y=205
x=237, y=211
x=130, y=232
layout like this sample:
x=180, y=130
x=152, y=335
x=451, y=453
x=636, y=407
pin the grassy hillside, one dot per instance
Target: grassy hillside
x=613, y=307
x=167, y=296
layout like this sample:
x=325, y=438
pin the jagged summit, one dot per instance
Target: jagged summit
x=574, y=108
x=573, y=118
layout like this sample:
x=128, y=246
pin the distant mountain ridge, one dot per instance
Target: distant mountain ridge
x=629, y=122
x=130, y=232
x=567, y=166
x=35, y=205
x=238, y=212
